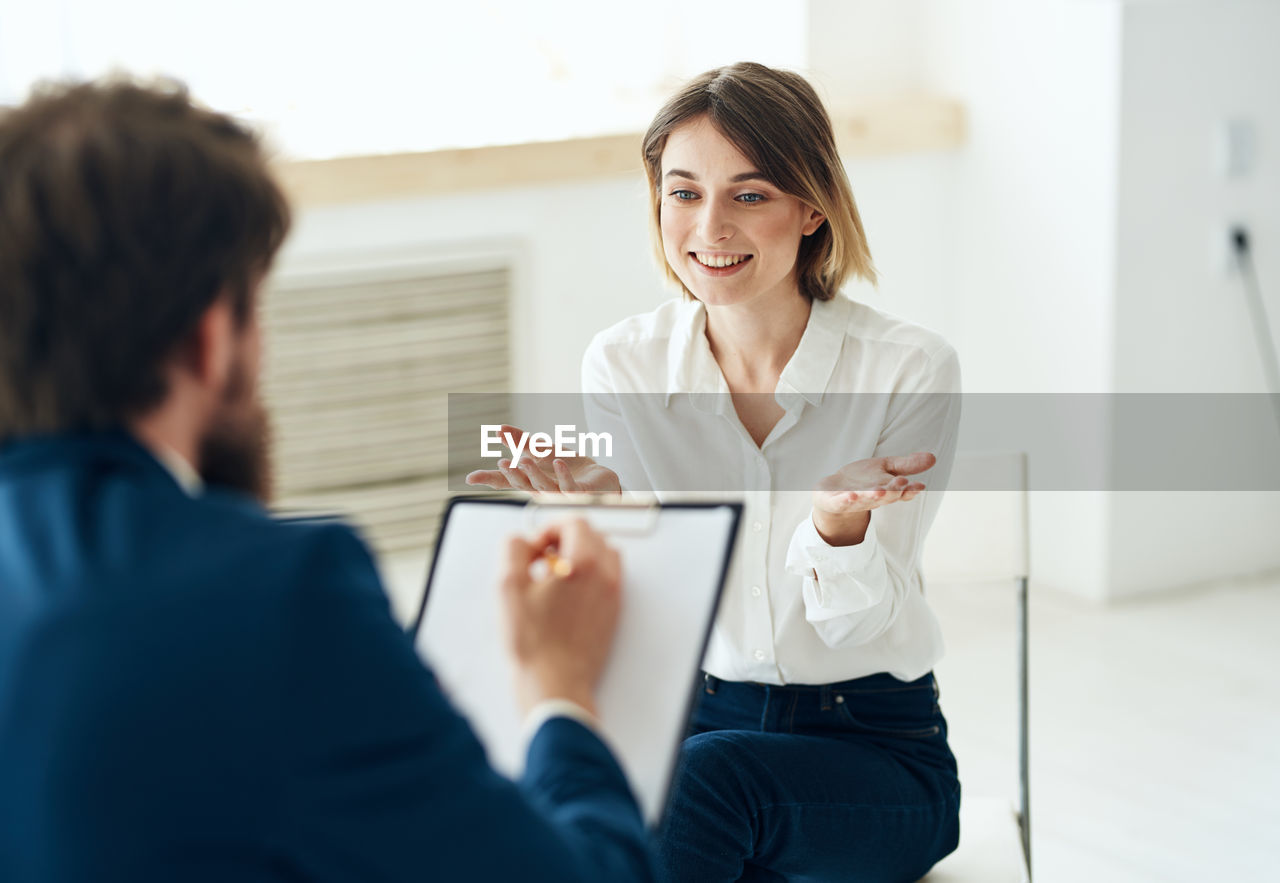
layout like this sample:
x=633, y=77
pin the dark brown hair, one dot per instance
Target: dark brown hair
x=125, y=211
x=778, y=122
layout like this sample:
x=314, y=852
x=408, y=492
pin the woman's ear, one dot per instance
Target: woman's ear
x=813, y=222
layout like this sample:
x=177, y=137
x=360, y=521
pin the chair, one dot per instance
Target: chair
x=995, y=838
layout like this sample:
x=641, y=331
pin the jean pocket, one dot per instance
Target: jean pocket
x=884, y=723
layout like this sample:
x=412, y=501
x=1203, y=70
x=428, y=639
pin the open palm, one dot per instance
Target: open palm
x=869, y=484
x=546, y=475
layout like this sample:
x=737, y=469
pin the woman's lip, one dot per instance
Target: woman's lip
x=719, y=271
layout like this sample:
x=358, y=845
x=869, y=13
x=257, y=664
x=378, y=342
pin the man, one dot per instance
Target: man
x=190, y=690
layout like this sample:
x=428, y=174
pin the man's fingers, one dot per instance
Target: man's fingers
x=516, y=560
x=909, y=464
x=578, y=541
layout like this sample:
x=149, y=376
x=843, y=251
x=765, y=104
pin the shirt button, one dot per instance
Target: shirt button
x=759, y=655
x=755, y=591
x=757, y=527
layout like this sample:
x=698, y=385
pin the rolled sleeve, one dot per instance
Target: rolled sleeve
x=838, y=581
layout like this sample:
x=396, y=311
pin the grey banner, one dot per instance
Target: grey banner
x=1074, y=442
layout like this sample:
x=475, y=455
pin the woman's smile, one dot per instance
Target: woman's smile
x=718, y=263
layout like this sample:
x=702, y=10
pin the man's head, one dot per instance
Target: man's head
x=135, y=229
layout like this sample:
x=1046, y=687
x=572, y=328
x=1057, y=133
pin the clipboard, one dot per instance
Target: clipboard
x=675, y=559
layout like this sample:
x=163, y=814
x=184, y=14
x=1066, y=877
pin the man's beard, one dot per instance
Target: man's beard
x=235, y=453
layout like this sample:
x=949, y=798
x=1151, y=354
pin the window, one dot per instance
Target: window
x=384, y=76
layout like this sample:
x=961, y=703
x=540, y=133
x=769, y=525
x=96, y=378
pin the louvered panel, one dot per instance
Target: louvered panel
x=366, y=345
x=403, y=518
x=425, y=376
x=380, y=299
x=358, y=375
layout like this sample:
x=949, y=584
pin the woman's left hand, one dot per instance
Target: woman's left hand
x=842, y=502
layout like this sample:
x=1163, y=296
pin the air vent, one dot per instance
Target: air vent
x=359, y=368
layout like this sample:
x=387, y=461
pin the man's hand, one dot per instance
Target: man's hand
x=561, y=624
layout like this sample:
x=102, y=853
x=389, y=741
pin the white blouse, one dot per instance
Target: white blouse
x=860, y=384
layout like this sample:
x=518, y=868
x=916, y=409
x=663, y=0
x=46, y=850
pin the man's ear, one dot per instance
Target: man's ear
x=813, y=222
x=207, y=354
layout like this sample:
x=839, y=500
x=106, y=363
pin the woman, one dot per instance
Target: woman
x=818, y=750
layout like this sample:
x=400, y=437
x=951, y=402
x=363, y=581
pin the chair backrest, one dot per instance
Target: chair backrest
x=981, y=535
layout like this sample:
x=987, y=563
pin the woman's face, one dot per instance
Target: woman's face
x=729, y=234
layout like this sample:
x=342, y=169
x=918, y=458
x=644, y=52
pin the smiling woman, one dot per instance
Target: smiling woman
x=818, y=750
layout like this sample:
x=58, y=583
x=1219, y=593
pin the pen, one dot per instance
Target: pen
x=561, y=567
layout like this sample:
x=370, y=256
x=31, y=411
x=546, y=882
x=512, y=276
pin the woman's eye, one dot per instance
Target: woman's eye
x=751, y=197
x=684, y=195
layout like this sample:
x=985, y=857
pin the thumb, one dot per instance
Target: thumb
x=909, y=464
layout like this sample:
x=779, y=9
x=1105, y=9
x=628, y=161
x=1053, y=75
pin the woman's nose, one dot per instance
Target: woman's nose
x=713, y=224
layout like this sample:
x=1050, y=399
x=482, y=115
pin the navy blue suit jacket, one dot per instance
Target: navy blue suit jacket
x=191, y=690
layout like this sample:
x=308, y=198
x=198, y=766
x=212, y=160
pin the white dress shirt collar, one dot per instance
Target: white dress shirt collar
x=183, y=472
x=692, y=369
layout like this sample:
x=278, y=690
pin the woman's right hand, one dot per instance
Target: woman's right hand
x=546, y=475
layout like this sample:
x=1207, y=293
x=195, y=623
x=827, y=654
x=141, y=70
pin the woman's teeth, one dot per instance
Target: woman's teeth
x=719, y=260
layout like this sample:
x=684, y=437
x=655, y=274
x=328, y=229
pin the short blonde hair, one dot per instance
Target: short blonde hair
x=778, y=122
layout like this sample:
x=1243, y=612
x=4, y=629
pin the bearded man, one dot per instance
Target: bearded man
x=189, y=689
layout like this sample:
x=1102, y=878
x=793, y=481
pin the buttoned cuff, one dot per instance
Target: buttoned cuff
x=838, y=580
x=549, y=708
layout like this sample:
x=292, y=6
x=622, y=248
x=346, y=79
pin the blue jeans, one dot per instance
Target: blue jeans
x=841, y=782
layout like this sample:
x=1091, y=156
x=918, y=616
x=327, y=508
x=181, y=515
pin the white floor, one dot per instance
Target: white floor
x=1154, y=728
x=1154, y=725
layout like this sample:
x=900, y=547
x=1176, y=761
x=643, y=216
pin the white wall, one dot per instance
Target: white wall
x=1007, y=245
x=1182, y=323
x=1069, y=245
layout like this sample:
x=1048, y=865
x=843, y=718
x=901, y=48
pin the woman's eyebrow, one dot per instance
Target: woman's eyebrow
x=736, y=179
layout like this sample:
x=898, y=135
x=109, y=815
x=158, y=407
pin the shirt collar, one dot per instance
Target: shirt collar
x=692, y=369
x=809, y=370
x=177, y=466
x=690, y=366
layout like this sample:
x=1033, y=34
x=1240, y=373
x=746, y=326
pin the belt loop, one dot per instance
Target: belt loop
x=709, y=683
x=824, y=697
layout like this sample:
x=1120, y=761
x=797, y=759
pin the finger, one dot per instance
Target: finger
x=909, y=464
x=511, y=436
x=514, y=476
x=611, y=566
x=489, y=478
x=564, y=475
x=912, y=490
x=517, y=557
x=578, y=541
x=539, y=479
x=889, y=497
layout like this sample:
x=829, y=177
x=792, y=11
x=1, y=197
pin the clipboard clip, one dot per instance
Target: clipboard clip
x=605, y=515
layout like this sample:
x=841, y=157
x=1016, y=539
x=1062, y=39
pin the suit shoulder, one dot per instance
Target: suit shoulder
x=273, y=552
